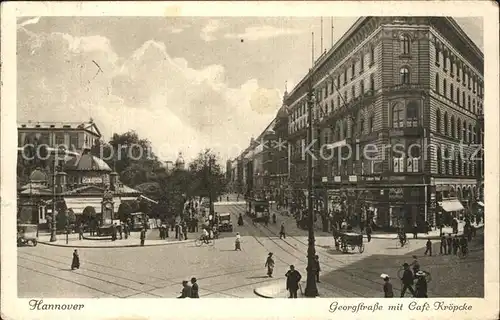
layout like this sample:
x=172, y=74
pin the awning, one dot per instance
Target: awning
x=79, y=204
x=451, y=205
x=480, y=203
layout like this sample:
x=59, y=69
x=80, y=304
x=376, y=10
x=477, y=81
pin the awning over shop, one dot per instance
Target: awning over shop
x=451, y=205
x=480, y=203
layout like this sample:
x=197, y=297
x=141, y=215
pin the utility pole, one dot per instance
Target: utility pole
x=53, y=237
x=311, y=288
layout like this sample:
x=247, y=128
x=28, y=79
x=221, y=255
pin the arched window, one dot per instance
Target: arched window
x=353, y=70
x=404, y=74
x=413, y=157
x=452, y=92
x=446, y=161
x=458, y=95
x=439, y=160
x=338, y=101
x=405, y=44
x=361, y=125
x=474, y=135
x=370, y=123
x=398, y=116
x=463, y=99
x=412, y=114
x=437, y=83
x=464, y=131
x=372, y=82
x=452, y=121
x=444, y=88
x=468, y=102
x=372, y=55
x=473, y=105
x=459, y=129
x=454, y=169
x=445, y=120
x=362, y=87
x=438, y=121
x=470, y=134
x=460, y=163
x=436, y=48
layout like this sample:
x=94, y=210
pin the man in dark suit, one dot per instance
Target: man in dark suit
x=292, y=281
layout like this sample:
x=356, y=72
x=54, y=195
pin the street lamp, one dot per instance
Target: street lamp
x=311, y=288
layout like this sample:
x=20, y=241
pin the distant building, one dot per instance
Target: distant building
x=180, y=163
x=75, y=136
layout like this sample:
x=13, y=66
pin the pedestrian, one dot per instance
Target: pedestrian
x=282, y=231
x=143, y=236
x=194, y=288
x=317, y=267
x=75, y=263
x=120, y=227
x=270, y=265
x=237, y=242
x=428, y=247
x=165, y=230
x=161, y=232
x=415, y=265
x=181, y=234
x=126, y=230
x=415, y=231
x=186, y=290
x=361, y=225
x=442, y=248
x=449, y=242
x=407, y=280
x=80, y=231
x=292, y=281
x=369, y=232
x=421, y=285
x=185, y=230
x=177, y=231
x=113, y=232
x=471, y=233
x=388, y=292
x=456, y=245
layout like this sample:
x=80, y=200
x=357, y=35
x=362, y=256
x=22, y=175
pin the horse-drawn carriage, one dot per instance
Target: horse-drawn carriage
x=348, y=240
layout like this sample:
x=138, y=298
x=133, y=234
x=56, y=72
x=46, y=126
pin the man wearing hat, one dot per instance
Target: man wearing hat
x=407, y=280
x=388, y=293
x=270, y=265
x=194, y=288
x=421, y=285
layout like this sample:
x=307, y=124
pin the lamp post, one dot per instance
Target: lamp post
x=53, y=237
x=311, y=288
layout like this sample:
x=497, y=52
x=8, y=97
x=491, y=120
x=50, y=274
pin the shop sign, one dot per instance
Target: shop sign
x=396, y=193
x=92, y=180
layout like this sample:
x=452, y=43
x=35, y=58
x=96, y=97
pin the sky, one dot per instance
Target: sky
x=183, y=83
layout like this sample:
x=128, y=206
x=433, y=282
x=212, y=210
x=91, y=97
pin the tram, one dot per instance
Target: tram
x=258, y=210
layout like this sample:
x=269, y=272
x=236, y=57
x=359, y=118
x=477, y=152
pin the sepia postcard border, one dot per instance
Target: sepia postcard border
x=15, y=308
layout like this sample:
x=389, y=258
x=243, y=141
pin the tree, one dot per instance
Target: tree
x=208, y=176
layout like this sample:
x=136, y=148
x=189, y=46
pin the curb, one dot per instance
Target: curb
x=108, y=246
x=261, y=295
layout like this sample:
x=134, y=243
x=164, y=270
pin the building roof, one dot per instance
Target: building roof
x=38, y=176
x=86, y=162
x=84, y=125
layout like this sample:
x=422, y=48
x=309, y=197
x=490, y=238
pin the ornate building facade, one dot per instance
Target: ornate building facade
x=396, y=113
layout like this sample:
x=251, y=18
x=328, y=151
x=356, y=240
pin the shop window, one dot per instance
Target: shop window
x=59, y=138
x=445, y=120
x=438, y=121
x=404, y=75
x=413, y=159
x=412, y=114
x=405, y=44
x=398, y=116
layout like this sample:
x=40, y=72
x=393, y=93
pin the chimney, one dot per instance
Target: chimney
x=113, y=180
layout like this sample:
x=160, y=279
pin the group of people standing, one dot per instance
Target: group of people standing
x=190, y=290
x=293, y=276
x=412, y=276
x=450, y=245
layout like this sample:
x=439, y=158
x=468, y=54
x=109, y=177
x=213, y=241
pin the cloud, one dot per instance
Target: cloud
x=175, y=106
x=263, y=32
x=209, y=29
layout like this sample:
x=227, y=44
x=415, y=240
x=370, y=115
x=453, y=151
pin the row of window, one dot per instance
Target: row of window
x=456, y=128
x=455, y=96
x=463, y=74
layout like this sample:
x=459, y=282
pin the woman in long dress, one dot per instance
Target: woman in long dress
x=75, y=264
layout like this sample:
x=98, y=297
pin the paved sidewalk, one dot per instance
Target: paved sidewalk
x=277, y=289
x=132, y=241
